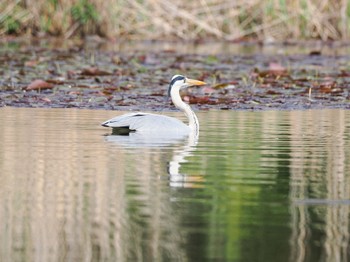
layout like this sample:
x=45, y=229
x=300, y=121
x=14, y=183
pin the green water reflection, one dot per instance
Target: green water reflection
x=266, y=186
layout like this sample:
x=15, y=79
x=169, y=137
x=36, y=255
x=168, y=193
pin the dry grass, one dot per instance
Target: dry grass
x=184, y=19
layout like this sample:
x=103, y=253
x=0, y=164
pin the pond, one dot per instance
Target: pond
x=257, y=186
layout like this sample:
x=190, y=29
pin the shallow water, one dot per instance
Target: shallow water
x=205, y=48
x=258, y=186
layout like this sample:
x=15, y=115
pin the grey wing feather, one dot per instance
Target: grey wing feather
x=140, y=121
x=123, y=120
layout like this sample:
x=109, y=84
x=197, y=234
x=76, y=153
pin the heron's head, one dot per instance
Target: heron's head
x=179, y=81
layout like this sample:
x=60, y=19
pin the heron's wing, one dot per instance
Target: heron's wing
x=140, y=121
x=124, y=121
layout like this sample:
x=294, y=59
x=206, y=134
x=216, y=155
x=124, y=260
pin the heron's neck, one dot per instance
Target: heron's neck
x=192, y=118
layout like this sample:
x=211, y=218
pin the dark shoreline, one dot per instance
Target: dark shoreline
x=92, y=77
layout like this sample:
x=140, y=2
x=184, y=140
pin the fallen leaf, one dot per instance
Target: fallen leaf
x=109, y=90
x=208, y=90
x=39, y=84
x=197, y=100
x=277, y=69
x=71, y=74
x=45, y=99
x=229, y=85
x=315, y=53
x=151, y=60
x=302, y=79
x=74, y=93
x=344, y=73
x=326, y=89
x=272, y=92
x=57, y=81
x=94, y=71
x=34, y=62
x=117, y=60
x=31, y=63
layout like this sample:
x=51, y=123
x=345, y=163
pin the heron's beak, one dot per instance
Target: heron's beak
x=193, y=82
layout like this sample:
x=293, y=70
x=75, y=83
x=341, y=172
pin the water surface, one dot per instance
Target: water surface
x=257, y=186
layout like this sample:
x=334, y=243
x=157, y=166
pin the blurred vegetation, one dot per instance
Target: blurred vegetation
x=158, y=19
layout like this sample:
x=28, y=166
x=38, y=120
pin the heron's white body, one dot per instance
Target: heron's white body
x=151, y=123
x=147, y=123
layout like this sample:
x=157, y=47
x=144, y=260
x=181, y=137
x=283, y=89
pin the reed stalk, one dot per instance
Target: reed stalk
x=182, y=19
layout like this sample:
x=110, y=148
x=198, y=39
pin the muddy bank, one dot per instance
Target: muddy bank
x=81, y=77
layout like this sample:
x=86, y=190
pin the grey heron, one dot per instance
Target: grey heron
x=154, y=124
